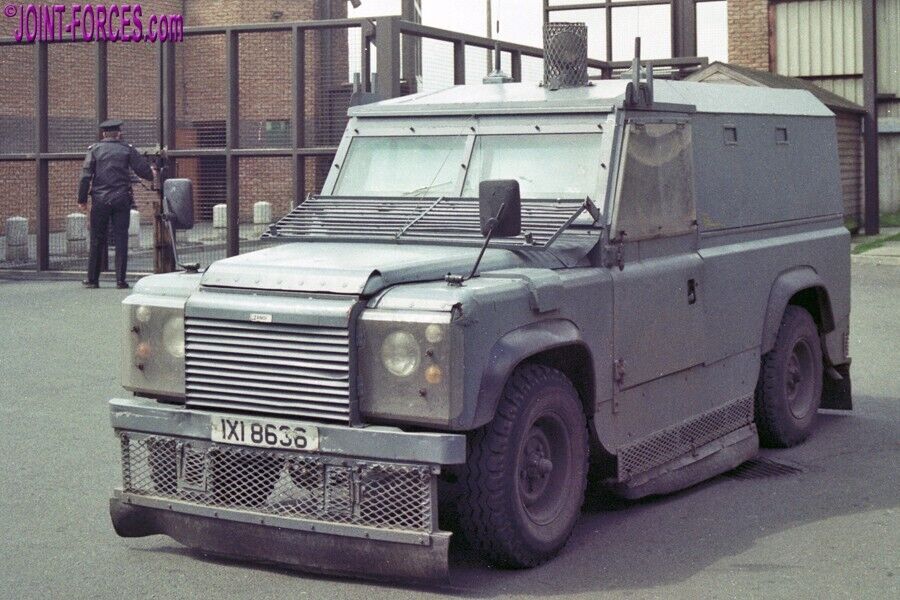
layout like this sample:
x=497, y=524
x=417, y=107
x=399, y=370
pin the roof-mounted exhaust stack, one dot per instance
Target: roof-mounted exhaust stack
x=565, y=55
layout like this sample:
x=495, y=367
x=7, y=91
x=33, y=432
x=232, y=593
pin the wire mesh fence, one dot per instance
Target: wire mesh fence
x=252, y=115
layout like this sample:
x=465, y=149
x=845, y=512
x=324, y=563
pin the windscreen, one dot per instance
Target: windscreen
x=565, y=165
x=401, y=166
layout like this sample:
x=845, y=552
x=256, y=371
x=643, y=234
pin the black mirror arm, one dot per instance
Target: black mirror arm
x=487, y=239
x=492, y=224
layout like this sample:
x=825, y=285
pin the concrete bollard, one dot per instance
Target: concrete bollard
x=16, y=239
x=262, y=213
x=134, y=230
x=220, y=216
x=76, y=234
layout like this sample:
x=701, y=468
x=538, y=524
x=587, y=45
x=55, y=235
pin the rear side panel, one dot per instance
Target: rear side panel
x=768, y=201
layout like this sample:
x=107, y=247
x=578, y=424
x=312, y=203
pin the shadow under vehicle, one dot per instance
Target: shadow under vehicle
x=502, y=290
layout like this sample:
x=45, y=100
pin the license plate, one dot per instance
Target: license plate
x=264, y=433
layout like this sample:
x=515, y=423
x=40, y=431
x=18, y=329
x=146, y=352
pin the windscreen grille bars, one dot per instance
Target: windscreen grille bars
x=453, y=220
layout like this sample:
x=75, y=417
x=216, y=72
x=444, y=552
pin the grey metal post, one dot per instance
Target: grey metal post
x=366, y=33
x=410, y=10
x=102, y=86
x=684, y=28
x=41, y=87
x=298, y=114
x=459, y=63
x=516, y=65
x=387, y=40
x=489, y=32
x=232, y=130
x=168, y=116
x=870, y=100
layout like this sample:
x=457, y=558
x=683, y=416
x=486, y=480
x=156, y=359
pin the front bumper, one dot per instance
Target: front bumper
x=364, y=505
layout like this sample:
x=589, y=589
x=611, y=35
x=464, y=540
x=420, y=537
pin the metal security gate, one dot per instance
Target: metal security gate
x=252, y=113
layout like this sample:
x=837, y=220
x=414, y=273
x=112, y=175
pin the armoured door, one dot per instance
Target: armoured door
x=658, y=314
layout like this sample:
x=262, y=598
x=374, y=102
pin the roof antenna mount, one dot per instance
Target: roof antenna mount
x=639, y=94
x=497, y=75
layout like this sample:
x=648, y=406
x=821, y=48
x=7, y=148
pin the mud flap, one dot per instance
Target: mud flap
x=837, y=394
x=306, y=551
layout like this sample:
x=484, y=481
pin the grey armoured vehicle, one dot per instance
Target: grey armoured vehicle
x=666, y=286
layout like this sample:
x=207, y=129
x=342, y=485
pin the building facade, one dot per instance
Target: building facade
x=822, y=41
x=265, y=68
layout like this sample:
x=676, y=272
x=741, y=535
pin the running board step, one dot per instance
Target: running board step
x=711, y=459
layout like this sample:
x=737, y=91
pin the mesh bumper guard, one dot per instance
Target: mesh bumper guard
x=331, y=514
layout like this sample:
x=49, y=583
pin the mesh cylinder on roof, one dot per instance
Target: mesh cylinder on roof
x=565, y=55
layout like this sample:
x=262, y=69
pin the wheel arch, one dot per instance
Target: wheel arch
x=557, y=343
x=801, y=287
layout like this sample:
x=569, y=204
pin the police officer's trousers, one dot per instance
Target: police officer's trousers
x=103, y=211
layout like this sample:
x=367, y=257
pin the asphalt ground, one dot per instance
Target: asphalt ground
x=831, y=530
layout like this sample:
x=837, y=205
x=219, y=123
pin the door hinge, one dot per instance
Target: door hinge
x=616, y=248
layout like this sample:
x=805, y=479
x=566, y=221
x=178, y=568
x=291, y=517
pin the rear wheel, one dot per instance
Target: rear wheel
x=789, y=390
x=524, y=480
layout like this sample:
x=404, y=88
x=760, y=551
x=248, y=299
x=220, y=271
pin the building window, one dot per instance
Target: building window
x=653, y=24
x=712, y=30
x=277, y=133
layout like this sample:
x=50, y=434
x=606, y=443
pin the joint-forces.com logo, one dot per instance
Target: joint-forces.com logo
x=91, y=23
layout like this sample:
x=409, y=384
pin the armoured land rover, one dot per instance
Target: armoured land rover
x=502, y=290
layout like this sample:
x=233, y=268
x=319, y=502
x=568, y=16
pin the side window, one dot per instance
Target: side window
x=655, y=195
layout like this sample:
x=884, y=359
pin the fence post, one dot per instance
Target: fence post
x=16, y=239
x=232, y=122
x=367, y=32
x=102, y=79
x=41, y=92
x=76, y=234
x=298, y=113
x=516, y=62
x=870, y=119
x=387, y=40
x=459, y=62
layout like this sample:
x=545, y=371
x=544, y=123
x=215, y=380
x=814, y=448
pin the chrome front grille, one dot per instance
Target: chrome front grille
x=268, y=369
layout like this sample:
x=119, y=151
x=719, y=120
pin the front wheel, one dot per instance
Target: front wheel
x=789, y=390
x=526, y=472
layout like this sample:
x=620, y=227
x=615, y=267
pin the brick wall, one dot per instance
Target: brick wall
x=748, y=33
x=265, y=88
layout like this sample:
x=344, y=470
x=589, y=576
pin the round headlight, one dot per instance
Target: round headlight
x=400, y=353
x=173, y=337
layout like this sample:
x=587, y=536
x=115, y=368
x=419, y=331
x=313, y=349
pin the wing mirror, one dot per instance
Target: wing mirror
x=500, y=208
x=178, y=203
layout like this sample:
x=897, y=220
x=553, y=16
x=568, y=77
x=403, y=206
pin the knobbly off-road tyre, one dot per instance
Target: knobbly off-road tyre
x=525, y=475
x=789, y=390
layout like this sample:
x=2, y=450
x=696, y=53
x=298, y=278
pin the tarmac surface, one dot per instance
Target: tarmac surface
x=830, y=530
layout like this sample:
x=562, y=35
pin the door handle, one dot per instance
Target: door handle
x=692, y=291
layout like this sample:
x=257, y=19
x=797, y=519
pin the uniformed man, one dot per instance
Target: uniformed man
x=106, y=174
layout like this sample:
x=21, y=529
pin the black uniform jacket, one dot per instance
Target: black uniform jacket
x=106, y=172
